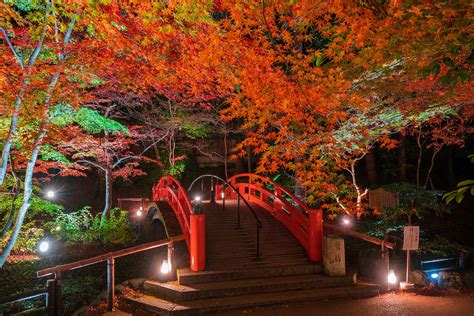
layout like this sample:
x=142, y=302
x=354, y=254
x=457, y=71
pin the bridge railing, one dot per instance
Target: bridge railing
x=169, y=189
x=304, y=223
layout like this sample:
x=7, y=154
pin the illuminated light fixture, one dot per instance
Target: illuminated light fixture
x=58, y=228
x=346, y=221
x=44, y=246
x=434, y=275
x=165, y=267
x=139, y=213
x=392, y=278
x=222, y=195
x=197, y=198
x=141, y=208
x=50, y=194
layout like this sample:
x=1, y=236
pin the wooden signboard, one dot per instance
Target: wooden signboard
x=380, y=198
x=411, y=237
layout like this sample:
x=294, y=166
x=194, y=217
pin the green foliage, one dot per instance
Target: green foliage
x=196, y=131
x=90, y=120
x=463, y=187
x=83, y=227
x=26, y=5
x=38, y=205
x=28, y=239
x=49, y=153
x=176, y=170
x=441, y=247
x=415, y=200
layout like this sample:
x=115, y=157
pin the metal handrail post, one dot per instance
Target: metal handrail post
x=110, y=284
x=223, y=196
x=258, y=241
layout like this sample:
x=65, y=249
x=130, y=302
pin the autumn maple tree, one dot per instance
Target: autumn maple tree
x=313, y=85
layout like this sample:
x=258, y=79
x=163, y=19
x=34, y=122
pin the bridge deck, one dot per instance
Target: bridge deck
x=230, y=248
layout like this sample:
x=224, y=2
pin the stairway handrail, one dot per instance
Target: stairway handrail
x=233, y=188
x=240, y=196
x=303, y=224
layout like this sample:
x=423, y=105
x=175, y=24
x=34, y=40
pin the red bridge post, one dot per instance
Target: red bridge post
x=315, y=251
x=198, y=242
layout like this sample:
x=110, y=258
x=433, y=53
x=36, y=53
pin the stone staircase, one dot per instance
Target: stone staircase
x=234, y=278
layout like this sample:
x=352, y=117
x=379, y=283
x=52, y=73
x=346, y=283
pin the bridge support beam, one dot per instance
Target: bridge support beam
x=315, y=250
x=198, y=242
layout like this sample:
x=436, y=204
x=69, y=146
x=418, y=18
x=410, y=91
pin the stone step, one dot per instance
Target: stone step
x=179, y=292
x=254, y=264
x=187, y=277
x=140, y=302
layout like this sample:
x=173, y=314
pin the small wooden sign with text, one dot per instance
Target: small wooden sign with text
x=411, y=237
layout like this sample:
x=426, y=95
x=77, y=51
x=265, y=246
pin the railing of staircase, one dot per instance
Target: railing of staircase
x=304, y=223
x=170, y=189
x=221, y=188
x=54, y=304
x=30, y=295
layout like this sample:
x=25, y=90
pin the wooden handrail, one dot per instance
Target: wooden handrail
x=54, y=285
x=107, y=256
x=355, y=234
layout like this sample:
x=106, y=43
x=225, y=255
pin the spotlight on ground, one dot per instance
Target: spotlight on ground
x=165, y=267
x=43, y=246
x=392, y=278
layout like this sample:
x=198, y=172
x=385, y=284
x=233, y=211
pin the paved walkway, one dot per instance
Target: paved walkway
x=387, y=304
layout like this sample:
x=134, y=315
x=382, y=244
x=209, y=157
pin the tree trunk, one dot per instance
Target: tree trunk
x=28, y=189
x=11, y=133
x=371, y=167
x=420, y=155
x=108, y=195
x=433, y=157
x=11, y=215
x=402, y=159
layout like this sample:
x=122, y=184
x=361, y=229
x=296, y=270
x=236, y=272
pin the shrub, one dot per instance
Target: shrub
x=28, y=238
x=83, y=227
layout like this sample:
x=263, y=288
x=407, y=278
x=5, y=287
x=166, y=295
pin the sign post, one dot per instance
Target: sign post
x=411, y=241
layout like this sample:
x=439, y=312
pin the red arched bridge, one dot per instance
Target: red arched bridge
x=243, y=223
x=253, y=237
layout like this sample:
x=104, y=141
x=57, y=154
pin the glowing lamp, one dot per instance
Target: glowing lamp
x=43, y=246
x=165, y=267
x=50, y=194
x=197, y=198
x=392, y=278
x=346, y=221
x=139, y=213
x=434, y=275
